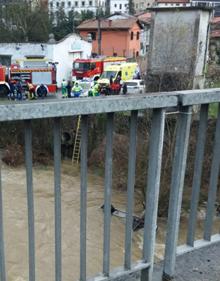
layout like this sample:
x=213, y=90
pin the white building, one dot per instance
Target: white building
x=142, y=5
x=75, y=5
x=119, y=6
x=62, y=52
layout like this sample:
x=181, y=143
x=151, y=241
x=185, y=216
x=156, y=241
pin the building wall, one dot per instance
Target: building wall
x=116, y=42
x=76, y=5
x=119, y=6
x=141, y=5
x=62, y=52
x=134, y=45
x=66, y=51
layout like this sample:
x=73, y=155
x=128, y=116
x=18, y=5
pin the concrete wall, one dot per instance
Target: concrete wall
x=179, y=41
x=173, y=41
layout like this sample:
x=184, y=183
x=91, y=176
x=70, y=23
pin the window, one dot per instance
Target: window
x=69, y=4
x=90, y=3
x=76, y=3
x=137, y=54
x=115, y=5
x=51, y=5
x=58, y=4
x=93, y=35
x=120, y=6
x=108, y=74
x=83, y=3
x=63, y=4
x=138, y=35
x=125, y=5
x=132, y=35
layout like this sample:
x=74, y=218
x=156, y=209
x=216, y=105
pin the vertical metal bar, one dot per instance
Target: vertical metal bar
x=83, y=196
x=201, y=140
x=30, y=198
x=108, y=193
x=213, y=182
x=153, y=187
x=2, y=248
x=130, y=188
x=176, y=190
x=57, y=195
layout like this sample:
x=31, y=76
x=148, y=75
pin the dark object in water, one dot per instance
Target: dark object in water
x=138, y=222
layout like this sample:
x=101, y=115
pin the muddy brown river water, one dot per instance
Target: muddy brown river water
x=15, y=224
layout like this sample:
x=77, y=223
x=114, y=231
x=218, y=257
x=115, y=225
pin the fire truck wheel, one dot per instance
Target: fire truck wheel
x=4, y=91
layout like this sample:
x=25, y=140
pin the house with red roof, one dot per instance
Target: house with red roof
x=119, y=37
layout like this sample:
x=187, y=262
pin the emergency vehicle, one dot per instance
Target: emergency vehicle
x=113, y=77
x=4, y=87
x=90, y=68
x=36, y=71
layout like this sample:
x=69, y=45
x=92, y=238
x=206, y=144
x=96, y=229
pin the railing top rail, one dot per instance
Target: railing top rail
x=204, y=96
x=68, y=107
x=80, y=106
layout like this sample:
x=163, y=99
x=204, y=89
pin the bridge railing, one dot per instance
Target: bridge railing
x=159, y=103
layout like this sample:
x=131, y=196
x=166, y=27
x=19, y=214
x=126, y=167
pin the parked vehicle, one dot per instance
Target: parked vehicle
x=90, y=68
x=36, y=71
x=135, y=86
x=4, y=86
x=114, y=76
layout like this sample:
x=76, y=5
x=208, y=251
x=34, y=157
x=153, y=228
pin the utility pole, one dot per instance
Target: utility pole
x=99, y=37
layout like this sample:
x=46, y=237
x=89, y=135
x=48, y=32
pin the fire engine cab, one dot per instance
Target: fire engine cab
x=35, y=70
x=4, y=87
x=90, y=68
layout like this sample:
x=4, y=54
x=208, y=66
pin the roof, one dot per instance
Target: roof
x=144, y=17
x=109, y=24
x=173, y=1
x=215, y=34
x=215, y=20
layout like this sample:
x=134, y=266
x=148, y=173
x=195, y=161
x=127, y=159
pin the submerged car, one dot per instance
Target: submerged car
x=135, y=86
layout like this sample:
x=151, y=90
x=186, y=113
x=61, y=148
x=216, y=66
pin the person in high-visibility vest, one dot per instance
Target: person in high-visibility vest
x=76, y=90
x=95, y=91
x=64, y=89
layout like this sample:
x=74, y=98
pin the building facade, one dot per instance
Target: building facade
x=141, y=5
x=75, y=5
x=118, y=6
x=120, y=37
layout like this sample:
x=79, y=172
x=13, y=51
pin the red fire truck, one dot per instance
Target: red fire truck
x=4, y=87
x=36, y=70
x=89, y=68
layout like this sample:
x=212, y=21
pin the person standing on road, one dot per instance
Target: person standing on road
x=69, y=87
x=31, y=91
x=64, y=88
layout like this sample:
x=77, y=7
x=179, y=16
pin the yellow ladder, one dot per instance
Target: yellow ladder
x=77, y=143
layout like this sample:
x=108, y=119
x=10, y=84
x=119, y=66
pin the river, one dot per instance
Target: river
x=15, y=224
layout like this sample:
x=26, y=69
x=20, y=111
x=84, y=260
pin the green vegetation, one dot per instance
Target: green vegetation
x=21, y=22
x=213, y=110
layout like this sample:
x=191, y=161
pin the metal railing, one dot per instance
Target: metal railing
x=158, y=103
